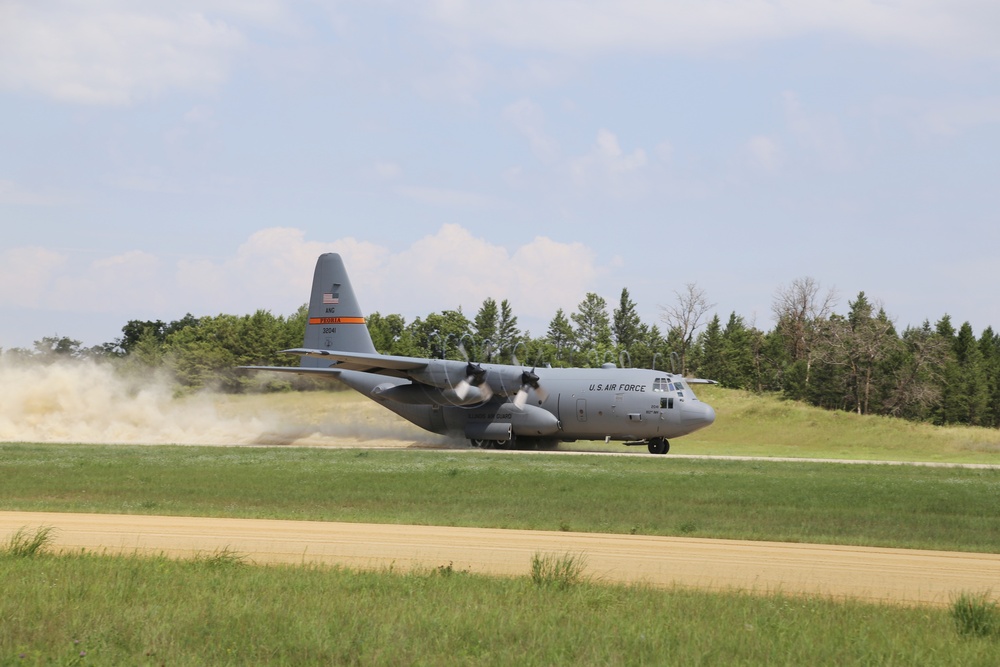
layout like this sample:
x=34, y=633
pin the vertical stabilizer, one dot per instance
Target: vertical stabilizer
x=335, y=318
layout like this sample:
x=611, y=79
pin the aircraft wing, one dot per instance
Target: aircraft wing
x=294, y=369
x=361, y=361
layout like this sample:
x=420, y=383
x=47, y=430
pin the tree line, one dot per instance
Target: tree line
x=857, y=361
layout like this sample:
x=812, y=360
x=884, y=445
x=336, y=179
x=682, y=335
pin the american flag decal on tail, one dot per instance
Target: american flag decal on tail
x=331, y=299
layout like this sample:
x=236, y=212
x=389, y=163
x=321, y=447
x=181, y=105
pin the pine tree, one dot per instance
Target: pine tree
x=560, y=337
x=989, y=346
x=485, y=329
x=973, y=394
x=507, y=334
x=948, y=409
x=593, y=327
x=626, y=322
x=711, y=360
x=737, y=355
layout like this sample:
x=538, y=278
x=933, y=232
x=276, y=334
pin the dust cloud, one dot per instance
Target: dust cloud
x=89, y=402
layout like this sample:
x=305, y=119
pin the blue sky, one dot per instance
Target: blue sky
x=169, y=157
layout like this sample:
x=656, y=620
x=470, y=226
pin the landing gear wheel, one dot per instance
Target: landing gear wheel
x=506, y=444
x=479, y=443
x=658, y=446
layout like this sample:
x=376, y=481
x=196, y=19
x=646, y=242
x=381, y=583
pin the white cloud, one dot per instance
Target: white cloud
x=387, y=171
x=946, y=117
x=272, y=270
x=608, y=166
x=764, y=152
x=612, y=156
x=529, y=119
x=818, y=133
x=456, y=81
x=131, y=277
x=452, y=268
x=25, y=274
x=18, y=195
x=266, y=272
x=110, y=52
x=945, y=27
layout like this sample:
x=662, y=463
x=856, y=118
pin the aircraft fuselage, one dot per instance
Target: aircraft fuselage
x=579, y=404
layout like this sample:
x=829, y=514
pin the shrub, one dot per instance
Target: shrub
x=975, y=615
x=557, y=571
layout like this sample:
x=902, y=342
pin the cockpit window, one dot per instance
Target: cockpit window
x=660, y=384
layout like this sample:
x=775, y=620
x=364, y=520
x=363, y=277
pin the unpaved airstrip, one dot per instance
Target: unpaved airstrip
x=886, y=575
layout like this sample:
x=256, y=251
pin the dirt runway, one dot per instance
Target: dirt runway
x=875, y=574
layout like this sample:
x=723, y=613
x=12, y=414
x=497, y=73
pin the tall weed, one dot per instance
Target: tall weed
x=560, y=572
x=22, y=544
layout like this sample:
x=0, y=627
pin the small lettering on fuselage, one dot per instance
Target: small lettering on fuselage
x=490, y=415
x=331, y=309
x=618, y=387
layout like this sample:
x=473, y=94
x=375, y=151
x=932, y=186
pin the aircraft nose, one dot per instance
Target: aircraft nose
x=698, y=414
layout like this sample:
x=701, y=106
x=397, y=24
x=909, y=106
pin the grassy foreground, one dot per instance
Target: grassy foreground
x=86, y=609
x=121, y=610
x=899, y=506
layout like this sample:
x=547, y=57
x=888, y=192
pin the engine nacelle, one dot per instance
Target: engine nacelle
x=531, y=420
x=526, y=421
x=415, y=394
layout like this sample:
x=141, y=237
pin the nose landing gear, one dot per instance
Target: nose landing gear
x=658, y=446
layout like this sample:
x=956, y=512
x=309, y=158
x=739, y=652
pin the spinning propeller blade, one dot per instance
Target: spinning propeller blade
x=529, y=380
x=475, y=376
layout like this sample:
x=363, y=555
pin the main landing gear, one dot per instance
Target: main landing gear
x=658, y=446
x=491, y=444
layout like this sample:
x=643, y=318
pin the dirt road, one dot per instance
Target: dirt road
x=895, y=575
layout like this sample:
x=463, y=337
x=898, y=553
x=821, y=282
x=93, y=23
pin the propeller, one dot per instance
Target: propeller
x=475, y=376
x=529, y=380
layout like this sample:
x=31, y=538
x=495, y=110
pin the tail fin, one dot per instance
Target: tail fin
x=335, y=318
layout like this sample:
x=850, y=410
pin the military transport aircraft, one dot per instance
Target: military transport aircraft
x=493, y=405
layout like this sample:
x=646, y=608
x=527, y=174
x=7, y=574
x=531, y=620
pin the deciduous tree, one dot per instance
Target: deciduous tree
x=684, y=317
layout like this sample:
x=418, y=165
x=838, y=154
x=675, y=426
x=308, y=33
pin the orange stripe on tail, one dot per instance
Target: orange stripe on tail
x=336, y=320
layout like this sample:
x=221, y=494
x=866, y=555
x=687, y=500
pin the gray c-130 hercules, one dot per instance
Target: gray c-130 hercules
x=493, y=405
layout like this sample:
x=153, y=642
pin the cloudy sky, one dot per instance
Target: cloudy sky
x=160, y=158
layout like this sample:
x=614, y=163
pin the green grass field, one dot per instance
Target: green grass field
x=84, y=609
x=80, y=608
x=898, y=506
